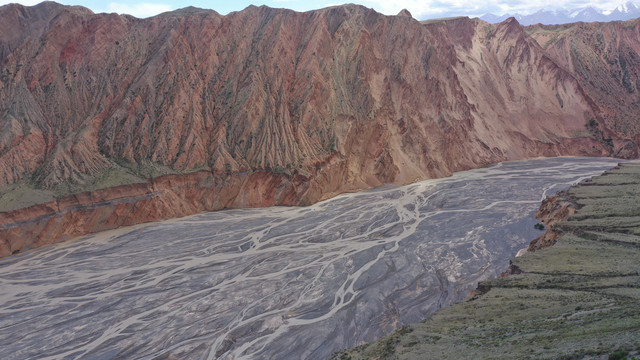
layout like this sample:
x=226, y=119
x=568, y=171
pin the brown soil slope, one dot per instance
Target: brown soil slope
x=605, y=59
x=270, y=105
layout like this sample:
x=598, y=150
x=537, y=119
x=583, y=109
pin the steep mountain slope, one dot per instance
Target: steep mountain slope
x=298, y=106
x=605, y=59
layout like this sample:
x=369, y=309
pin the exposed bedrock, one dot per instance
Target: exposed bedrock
x=281, y=107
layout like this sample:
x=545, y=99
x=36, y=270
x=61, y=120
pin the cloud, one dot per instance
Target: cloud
x=434, y=8
x=140, y=10
x=23, y=2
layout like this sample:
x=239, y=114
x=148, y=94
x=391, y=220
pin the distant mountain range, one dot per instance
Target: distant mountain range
x=625, y=11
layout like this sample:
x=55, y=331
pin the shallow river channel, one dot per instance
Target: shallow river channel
x=281, y=282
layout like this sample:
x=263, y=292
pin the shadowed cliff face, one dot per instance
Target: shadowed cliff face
x=326, y=101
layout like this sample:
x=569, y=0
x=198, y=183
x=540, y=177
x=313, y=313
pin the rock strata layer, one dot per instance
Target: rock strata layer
x=553, y=210
x=294, y=106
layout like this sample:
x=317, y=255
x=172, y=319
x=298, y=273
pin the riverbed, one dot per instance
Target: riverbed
x=281, y=282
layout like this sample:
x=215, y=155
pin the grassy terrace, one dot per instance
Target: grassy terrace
x=433, y=21
x=30, y=192
x=579, y=299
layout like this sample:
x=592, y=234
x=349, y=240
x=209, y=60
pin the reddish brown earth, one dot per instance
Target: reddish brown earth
x=271, y=106
x=554, y=209
x=163, y=197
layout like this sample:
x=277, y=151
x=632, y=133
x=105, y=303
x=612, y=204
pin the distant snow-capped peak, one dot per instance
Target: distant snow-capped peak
x=625, y=8
x=625, y=11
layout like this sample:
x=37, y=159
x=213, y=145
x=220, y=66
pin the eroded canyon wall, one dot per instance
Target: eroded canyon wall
x=311, y=104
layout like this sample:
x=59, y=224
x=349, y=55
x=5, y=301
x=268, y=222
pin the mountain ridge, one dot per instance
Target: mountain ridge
x=322, y=102
x=622, y=12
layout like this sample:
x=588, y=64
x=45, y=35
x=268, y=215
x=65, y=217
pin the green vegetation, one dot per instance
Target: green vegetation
x=110, y=177
x=549, y=29
x=24, y=194
x=490, y=31
x=17, y=196
x=433, y=21
x=122, y=172
x=576, y=299
x=619, y=355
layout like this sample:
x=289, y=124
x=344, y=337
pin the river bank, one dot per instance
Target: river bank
x=576, y=299
x=279, y=282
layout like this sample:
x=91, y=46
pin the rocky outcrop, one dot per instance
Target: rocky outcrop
x=332, y=100
x=554, y=209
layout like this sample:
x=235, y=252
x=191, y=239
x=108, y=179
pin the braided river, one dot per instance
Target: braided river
x=280, y=282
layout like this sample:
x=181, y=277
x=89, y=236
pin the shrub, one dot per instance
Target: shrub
x=618, y=355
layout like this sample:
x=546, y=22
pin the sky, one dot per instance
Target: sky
x=420, y=9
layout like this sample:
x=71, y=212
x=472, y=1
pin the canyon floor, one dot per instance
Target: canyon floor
x=280, y=282
x=577, y=299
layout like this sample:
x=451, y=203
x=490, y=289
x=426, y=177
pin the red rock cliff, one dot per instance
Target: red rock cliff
x=275, y=106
